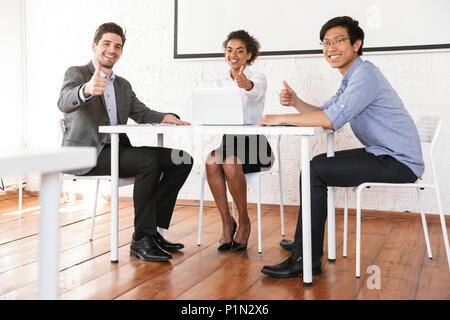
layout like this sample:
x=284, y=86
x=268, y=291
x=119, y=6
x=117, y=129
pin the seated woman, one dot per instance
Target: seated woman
x=239, y=154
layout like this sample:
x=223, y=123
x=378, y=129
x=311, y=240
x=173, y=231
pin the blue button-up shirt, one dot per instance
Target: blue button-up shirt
x=376, y=114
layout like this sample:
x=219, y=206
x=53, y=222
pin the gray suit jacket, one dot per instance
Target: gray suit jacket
x=83, y=119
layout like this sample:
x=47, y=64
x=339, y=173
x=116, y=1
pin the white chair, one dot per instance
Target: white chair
x=97, y=179
x=429, y=128
x=122, y=182
x=19, y=185
x=252, y=178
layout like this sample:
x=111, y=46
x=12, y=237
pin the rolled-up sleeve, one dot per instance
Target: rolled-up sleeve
x=349, y=102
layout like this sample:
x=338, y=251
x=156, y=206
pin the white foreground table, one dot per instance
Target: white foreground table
x=50, y=163
x=304, y=132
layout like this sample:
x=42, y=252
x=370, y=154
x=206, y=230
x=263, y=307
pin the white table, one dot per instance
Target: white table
x=49, y=163
x=304, y=132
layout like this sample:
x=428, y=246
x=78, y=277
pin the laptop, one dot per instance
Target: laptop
x=217, y=106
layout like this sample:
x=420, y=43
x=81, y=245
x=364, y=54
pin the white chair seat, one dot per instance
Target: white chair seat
x=253, y=177
x=417, y=184
x=122, y=181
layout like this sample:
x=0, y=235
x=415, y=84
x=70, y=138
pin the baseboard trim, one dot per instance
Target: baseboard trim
x=432, y=217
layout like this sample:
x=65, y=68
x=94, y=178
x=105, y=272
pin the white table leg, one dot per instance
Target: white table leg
x=331, y=212
x=114, y=197
x=160, y=139
x=161, y=144
x=306, y=212
x=49, y=235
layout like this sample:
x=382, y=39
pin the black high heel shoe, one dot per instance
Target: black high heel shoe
x=236, y=246
x=227, y=245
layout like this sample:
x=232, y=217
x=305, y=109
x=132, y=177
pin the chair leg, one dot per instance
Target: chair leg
x=344, y=244
x=443, y=225
x=66, y=197
x=20, y=192
x=200, y=214
x=259, y=216
x=424, y=223
x=94, y=209
x=65, y=194
x=445, y=235
x=331, y=223
x=281, y=203
x=233, y=209
x=358, y=232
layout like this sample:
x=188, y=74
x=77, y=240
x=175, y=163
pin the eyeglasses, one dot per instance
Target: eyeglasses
x=337, y=42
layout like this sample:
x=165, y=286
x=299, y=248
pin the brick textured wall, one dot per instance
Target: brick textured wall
x=421, y=79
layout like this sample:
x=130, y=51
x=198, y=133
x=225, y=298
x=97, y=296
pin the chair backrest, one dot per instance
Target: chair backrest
x=275, y=142
x=429, y=128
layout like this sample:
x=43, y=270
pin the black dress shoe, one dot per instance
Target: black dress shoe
x=291, y=267
x=166, y=245
x=236, y=246
x=225, y=246
x=287, y=244
x=148, y=249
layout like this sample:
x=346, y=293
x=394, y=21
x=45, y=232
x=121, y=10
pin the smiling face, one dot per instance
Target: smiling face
x=108, y=50
x=340, y=53
x=236, y=54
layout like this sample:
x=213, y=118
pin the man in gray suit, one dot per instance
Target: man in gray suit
x=92, y=96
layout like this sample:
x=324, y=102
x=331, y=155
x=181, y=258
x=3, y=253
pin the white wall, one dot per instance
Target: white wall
x=11, y=81
x=60, y=34
x=12, y=91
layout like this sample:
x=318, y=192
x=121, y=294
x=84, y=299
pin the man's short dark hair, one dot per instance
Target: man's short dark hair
x=109, y=27
x=353, y=29
x=251, y=44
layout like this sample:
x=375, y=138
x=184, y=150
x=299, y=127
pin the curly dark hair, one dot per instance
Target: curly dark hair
x=251, y=44
x=109, y=27
x=353, y=29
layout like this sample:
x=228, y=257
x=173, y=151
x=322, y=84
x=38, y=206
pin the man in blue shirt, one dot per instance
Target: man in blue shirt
x=378, y=119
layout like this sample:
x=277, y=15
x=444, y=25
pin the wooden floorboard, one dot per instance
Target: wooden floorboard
x=394, y=245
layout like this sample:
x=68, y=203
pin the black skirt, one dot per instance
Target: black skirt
x=253, y=151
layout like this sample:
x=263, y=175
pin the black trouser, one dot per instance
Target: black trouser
x=159, y=175
x=346, y=169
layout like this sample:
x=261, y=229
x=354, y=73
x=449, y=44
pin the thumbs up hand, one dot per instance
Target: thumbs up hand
x=242, y=81
x=97, y=85
x=288, y=97
x=99, y=68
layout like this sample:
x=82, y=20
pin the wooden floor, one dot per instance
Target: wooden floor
x=394, y=244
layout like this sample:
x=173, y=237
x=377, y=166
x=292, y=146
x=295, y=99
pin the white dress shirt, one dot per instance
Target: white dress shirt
x=253, y=100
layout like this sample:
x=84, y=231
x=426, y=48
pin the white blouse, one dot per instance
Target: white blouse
x=253, y=100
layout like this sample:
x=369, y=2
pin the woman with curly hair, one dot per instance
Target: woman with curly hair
x=239, y=154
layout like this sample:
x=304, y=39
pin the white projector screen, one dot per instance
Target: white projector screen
x=291, y=27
